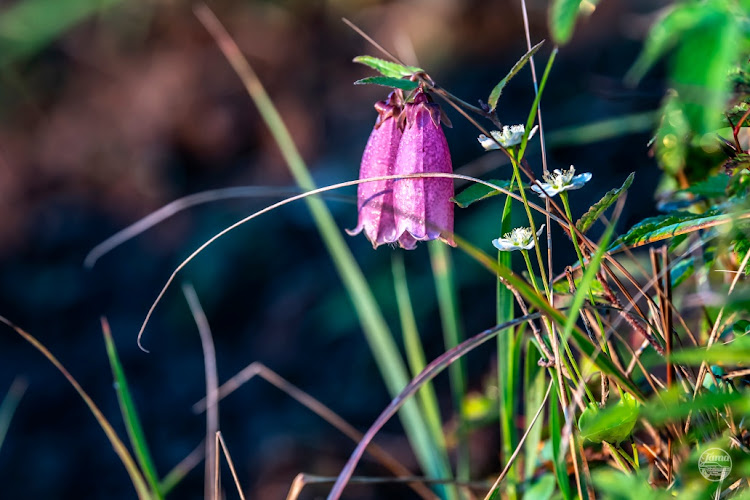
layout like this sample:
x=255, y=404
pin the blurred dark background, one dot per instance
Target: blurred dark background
x=134, y=106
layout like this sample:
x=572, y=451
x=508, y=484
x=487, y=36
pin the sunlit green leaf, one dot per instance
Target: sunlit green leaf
x=612, y=424
x=495, y=94
x=666, y=226
x=477, y=192
x=562, y=19
x=598, y=208
x=387, y=68
x=387, y=81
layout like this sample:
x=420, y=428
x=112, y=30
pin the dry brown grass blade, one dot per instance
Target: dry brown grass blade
x=230, y=462
x=273, y=378
x=122, y=452
x=212, y=382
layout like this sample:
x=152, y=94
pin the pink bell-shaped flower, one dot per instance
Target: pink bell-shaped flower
x=422, y=206
x=375, y=199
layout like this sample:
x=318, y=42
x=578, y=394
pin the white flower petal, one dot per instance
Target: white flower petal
x=487, y=143
x=504, y=245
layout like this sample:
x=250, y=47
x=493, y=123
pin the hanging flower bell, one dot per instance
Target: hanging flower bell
x=422, y=207
x=375, y=198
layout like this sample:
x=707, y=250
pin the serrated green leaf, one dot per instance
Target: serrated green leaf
x=562, y=19
x=666, y=226
x=387, y=68
x=598, y=208
x=495, y=94
x=612, y=424
x=387, y=81
x=477, y=192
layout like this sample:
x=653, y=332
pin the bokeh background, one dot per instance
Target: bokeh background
x=111, y=111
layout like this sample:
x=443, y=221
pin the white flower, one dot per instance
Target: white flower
x=521, y=238
x=509, y=137
x=559, y=181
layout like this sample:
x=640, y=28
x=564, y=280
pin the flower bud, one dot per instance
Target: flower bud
x=423, y=210
x=375, y=199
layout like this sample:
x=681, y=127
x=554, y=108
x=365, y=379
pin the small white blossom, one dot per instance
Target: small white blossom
x=521, y=238
x=559, y=181
x=508, y=137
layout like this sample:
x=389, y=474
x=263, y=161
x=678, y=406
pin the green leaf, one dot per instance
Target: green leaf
x=562, y=19
x=703, y=88
x=666, y=226
x=672, y=135
x=673, y=405
x=588, y=219
x=533, y=392
x=736, y=352
x=495, y=94
x=542, y=489
x=477, y=192
x=387, y=81
x=612, y=424
x=558, y=461
x=663, y=35
x=614, y=485
x=387, y=68
x=713, y=187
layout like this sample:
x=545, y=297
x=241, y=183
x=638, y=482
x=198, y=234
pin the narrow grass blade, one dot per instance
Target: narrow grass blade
x=415, y=352
x=122, y=452
x=130, y=414
x=533, y=390
x=555, y=431
x=9, y=405
x=445, y=286
x=504, y=312
x=379, y=337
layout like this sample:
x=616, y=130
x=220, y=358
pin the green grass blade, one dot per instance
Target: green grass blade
x=535, y=105
x=445, y=286
x=534, y=387
x=378, y=335
x=555, y=431
x=130, y=415
x=506, y=364
x=415, y=353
